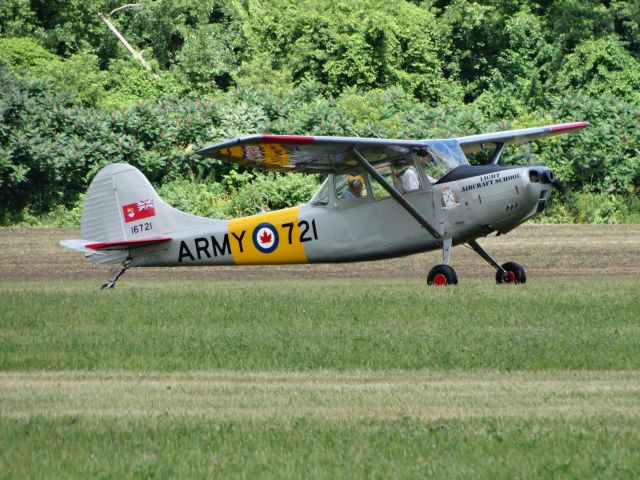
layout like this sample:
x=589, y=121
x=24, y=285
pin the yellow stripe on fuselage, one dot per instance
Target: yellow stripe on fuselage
x=267, y=238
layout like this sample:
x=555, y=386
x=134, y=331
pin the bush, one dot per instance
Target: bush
x=599, y=208
x=203, y=198
x=281, y=191
x=582, y=207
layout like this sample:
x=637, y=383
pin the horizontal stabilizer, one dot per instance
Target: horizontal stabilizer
x=120, y=244
x=91, y=247
x=80, y=246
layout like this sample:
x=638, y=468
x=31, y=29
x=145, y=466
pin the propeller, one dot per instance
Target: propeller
x=561, y=187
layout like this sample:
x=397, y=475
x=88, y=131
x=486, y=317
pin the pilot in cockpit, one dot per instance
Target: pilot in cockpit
x=354, y=188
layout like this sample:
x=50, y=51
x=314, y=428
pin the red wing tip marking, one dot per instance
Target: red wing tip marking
x=286, y=139
x=142, y=242
x=568, y=126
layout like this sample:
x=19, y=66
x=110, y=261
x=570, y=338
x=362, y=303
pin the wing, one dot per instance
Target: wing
x=335, y=154
x=475, y=143
x=307, y=154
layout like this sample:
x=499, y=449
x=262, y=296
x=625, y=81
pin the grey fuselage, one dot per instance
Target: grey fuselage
x=460, y=206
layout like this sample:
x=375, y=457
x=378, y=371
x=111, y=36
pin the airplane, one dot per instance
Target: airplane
x=380, y=199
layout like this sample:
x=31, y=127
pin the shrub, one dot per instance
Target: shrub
x=203, y=198
x=281, y=191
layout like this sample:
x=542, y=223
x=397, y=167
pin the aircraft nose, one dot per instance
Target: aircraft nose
x=541, y=175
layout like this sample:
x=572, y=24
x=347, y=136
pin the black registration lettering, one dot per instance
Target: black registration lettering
x=141, y=227
x=184, y=252
x=290, y=227
x=239, y=239
x=224, y=248
x=202, y=245
x=304, y=229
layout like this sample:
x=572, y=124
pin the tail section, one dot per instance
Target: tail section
x=121, y=204
x=123, y=211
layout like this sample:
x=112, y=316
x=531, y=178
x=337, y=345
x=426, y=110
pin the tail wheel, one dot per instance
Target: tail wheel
x=442, y=275
x=515, y=273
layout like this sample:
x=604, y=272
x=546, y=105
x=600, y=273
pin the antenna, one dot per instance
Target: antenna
x=261, y=202
x=374, y=133
x=353, y=131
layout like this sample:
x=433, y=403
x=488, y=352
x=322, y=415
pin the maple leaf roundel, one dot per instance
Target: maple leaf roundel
x=265, y=237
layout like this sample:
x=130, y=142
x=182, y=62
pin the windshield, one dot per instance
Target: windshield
x=448, y=154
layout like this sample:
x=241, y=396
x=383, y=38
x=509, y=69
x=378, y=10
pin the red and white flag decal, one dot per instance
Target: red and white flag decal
x=138, y=211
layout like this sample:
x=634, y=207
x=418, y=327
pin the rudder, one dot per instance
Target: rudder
x=121, y=204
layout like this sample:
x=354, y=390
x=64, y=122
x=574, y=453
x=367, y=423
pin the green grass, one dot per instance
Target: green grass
x=566, y=323
x=168, y=447
x=321, y=379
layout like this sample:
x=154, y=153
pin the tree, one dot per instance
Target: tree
x=600, y=66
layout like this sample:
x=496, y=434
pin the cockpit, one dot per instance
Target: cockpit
x=413, y=170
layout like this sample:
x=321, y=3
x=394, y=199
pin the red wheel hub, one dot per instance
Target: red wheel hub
x=440, y=279
x=511, y=277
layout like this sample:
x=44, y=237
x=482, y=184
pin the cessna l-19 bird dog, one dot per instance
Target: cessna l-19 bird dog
x=380, y=199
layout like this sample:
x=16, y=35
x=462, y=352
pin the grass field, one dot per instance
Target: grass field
x=375, y=376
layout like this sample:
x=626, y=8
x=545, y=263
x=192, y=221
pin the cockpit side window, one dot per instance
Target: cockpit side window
x=401, y=173
x=350, y=186
x=405, y=170
x=433, y=169
x=389, y=172
x=321, y=197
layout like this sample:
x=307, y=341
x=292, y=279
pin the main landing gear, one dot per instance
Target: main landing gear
x=116, y=273
x=441, y=275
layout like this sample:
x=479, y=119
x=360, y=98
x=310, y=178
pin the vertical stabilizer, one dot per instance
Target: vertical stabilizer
x=121, y=204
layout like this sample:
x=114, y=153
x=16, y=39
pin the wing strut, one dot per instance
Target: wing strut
x=397, y=196
x=497, y=153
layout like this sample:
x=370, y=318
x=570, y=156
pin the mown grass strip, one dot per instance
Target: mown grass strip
x=198, y=447
x=347, y=324
x=330, y=395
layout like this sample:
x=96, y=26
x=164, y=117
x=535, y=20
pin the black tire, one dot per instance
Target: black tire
x=515, y=273
x=442, y=275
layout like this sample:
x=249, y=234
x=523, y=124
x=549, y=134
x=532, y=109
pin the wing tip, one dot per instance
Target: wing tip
x=268, y=138
x=567, y=127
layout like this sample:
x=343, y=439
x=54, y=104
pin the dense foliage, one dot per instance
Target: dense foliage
x=72, y=98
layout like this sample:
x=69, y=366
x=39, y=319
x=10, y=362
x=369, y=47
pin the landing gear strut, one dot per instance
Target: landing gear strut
x=116, y=273
x=510, y=272
x=443, y=274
